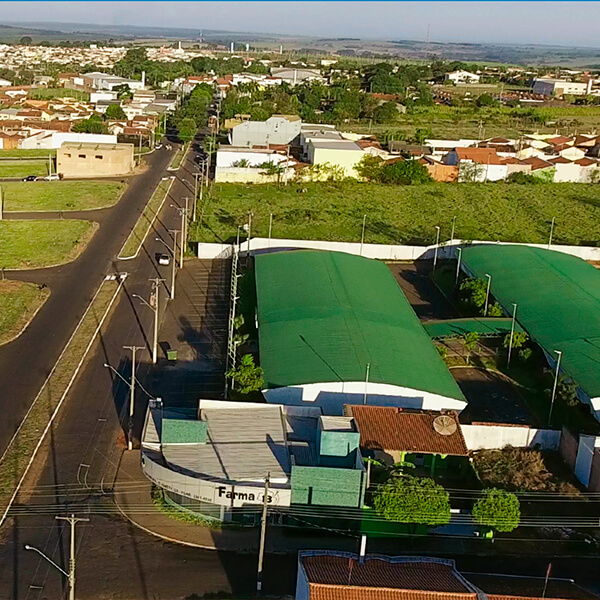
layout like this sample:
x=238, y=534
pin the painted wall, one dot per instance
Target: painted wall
x=57, y=138
x=479, y=437
x=331, y=396
x=324, y=486
x=344, y=158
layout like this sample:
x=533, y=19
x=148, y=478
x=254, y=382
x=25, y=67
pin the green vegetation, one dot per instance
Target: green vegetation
x=35, y=244
x=179, y=514
x=138, y=234
x=497, y=509
x=23, y=168
x=114, y=111
x=48, y=93
x=93, y=124
x=518, y=470
x=406, y=214
x=192, y=113
x=410, y=499
x=247, y=376
x=400, y=172
x=60, y=196
x=19, y=301
x=179, y=156
x=22, y=447
x=26, y=153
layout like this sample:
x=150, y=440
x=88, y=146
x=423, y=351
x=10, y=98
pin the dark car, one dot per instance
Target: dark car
x=31, y=178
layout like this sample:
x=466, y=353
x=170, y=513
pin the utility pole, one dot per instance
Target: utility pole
x=133, y=349
x=263, y=534
x=182, y=212
x=458, y=261
x=362, y=237
x=453, y=228
x=487, y=294
x=512, y=333
x=156, y=295
x=174, y=261
x=551, y=233
x=1, y=205
x=195, y=196
x=249, y=230
x=72, y=519
x=437, y=244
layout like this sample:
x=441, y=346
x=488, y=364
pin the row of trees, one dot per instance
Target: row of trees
x=192, y=112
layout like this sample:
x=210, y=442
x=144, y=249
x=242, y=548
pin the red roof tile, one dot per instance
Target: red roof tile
x=586, y=162
x=560, y=160
x=561, y=139
x=479, y=155
x=536, y=163
x=392, y=428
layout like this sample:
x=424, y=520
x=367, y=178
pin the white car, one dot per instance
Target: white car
x=164, y=259
x=53, y=177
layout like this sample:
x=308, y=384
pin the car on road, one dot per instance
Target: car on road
x=163, y=259
x=30, y=178
x=53, y=177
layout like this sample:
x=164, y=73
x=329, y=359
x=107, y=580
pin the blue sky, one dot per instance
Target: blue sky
x=560, y=23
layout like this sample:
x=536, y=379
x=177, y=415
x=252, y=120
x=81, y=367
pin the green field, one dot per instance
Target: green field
x=35, y=244
x=26, y=153
x=19, y=301
x=405, y=214
x=48, y=93
x=23, y=168
x=60, y=195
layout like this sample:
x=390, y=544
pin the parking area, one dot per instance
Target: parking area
x=425, y=298
x=492, y=398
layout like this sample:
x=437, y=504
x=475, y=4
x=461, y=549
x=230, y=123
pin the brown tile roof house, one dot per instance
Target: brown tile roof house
x=392, y=428
x=537, y=163
x=326, y=575
x=341, y=576
x=586, y=162
x=560, y=160
x=479, y=155
x=561, y=139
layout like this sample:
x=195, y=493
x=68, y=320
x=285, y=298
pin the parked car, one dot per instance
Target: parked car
x=30, y=178
x=164, y=259
x=53, y=177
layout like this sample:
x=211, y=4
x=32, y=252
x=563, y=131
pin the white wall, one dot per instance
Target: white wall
x=227, y=158
x=57, y=138
x=478, y=437
x=331, y=396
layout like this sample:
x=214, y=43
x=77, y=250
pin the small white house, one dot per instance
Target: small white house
x=5, y=83
x=462, y=77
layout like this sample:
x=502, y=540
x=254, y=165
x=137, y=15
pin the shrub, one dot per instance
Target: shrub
x=525, y=354
x=497, y=509
x=248, y=377
x=495, y=310
x=410, y=499
x=405, y=172
x=472, y=293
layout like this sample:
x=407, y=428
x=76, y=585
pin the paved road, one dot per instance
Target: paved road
x=26, y=362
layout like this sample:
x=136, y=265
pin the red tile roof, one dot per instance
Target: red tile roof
x=560, y=160
x=559, y=140
x=342, y=577
x=479, y=155
x=586, y=162
x=537, y=163
x=392, y=428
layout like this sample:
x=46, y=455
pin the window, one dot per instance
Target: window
x=99, y=157
x=67, y=155
x=82, y=156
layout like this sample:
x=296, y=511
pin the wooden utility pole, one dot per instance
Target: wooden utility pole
x=263, y=534
x=72, y=520
x=133, y=349
x=156, y=295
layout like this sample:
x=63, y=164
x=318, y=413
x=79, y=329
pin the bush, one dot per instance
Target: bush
x=410, y=499
x=518, y=469
x=520, y=338
x=405, y=172
x=247, y=376
x=495, y=310
x=525, y=354
x=497, y=509
x=472, y=293
x=522, y=178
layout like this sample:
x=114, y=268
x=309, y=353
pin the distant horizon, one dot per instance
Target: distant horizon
x=538, y=23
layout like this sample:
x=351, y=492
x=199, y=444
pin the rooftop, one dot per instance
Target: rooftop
x=558, y=296
x=392, y=428
x=323, y=316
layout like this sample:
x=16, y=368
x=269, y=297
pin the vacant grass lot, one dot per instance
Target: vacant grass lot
x=60, y=195
x=27, y=153
x=23, y=168
x=405, y=214
x=19, y=301
x=35, y=244
x=47, y=93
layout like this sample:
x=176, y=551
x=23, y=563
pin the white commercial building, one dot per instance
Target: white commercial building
x=48, y=140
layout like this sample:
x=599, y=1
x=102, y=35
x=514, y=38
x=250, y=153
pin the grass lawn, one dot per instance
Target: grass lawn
x=179, y=155
x=35, y=244
x=48, y=93
x=23, y=168
x=138, y=234
x=60, y=195
x=19, y=301
x=404, y=214
x=27, y=153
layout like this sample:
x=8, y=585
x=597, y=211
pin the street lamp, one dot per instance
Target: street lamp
x=555, y=385
x=512, y=333
x=155, y=309
x=458, y=261
x=453, y=227
x=28, y=547
x=487, y=294
x=437, y=243
x=551, y=233
x=173, y=252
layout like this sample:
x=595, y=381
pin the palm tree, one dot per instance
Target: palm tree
x=272, y=169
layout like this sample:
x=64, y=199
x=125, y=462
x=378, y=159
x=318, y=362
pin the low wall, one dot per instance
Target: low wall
x=493, y=436
x=380, y=251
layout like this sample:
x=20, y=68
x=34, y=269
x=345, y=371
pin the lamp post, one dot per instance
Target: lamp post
x=362, y=237
x=559, y=352
x=551, y=233
x=437, y=242
x=156, y=289
x=458, y=261
x=487, y=294
x=512, y=333
x=453, y=227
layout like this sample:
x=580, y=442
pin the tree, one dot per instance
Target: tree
x=405, y=172
x=369, y=167
x=273, y=170
x=497, y=509
x=472, y=293
x=470, y=341
x=495, y=310
x=209, y=145
x=187, y=129
x=421, y=135
x=386, y=113
x=485, y=100
x=519, y=339
x=247, y=376
x=566, y=390
x=410, y=499
x=92, y=125
x=115, y=112
x=470, y=172
x=25, y=40
x=523, y=178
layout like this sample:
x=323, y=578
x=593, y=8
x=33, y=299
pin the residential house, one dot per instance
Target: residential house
x=55, y=139
x=439, y=171
x=278, y=130
x=344, y=154
x=477, y=164
x=105, y=81
x=547, y=86
x=462, y=77
x=247, y=165
x=5, y=83
x=540, y=168
x=334, y=575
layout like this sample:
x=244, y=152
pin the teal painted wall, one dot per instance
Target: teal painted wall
x=338, y=448
x=323, y=486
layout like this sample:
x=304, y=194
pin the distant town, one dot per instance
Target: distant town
x=297, y=324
